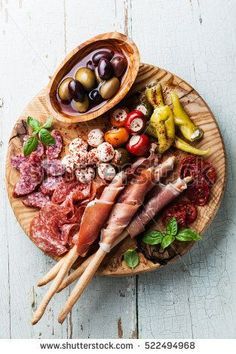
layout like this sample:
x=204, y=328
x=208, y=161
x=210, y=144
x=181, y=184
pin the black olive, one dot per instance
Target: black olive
x=90, y=65
x=119, y=64
x=105, y=70
x=76, y=90
x=105, y=53
x=95, y=96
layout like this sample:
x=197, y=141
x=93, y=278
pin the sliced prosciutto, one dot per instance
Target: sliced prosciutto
x=131, y=200
x=96, y=214
x=162, y=195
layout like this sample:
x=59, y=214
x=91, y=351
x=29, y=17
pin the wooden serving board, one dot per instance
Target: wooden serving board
x=200, y=114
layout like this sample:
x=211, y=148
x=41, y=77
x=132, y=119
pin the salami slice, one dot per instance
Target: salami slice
x=204, y=176
x=53, y=151
x=36, y=200
x=184, y=212
x=46, y=229
x=53, y=167
x=31, y=175
x=62, y=190
x=49, y=184
x=17, y=160
x=199, y=193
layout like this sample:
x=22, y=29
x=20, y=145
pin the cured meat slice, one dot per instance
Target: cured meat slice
x=31, y=175
x=53, y=151
x=96, y=214
x=67, y=232
x=17, y=160
x=132, y=198
x=53, y=167
x=70, y=189
x=36, y=200
x=185, y=213
x=161, y=196
x=47, y=228
x=204, y=176
x=199, y=193
x=62, y=190
x=49, y=184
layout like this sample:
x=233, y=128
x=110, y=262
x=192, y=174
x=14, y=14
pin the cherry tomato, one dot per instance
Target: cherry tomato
x=139, y=145
x=119, y=117
x=117, y=136
x=135, y=122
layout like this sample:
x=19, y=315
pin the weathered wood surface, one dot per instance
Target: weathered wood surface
x=195, y=39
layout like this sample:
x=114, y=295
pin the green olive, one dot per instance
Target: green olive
x=109, y=88
x=86, y=77
x=63, y=90
x=81, y=107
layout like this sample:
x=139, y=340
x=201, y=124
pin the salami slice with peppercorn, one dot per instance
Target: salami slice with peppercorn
x=36, y=200
x=53, y=151
x=31, y=175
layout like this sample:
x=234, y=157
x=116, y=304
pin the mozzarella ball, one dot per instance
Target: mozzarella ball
x=68, y=162
x=93, y=157
x=106, y=171
x=95, y=137
x=85, y=175
x=105, y=152
x=77, y=145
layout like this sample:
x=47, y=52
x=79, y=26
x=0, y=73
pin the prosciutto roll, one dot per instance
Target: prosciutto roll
x=162, y=196
x=96, y=214
x=131, y=200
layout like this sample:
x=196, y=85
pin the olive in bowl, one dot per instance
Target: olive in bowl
x=63, y=91
x=86, y=77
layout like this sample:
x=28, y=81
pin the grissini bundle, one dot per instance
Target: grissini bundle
x=162, y=196
x=122, y=213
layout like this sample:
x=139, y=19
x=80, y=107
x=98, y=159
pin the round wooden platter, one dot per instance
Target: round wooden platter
x=199, y=113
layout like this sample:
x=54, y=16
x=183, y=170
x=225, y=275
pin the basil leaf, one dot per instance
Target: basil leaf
x=30, y=145
x=131, y=258
x=188, y=235
x=48, y=123
x=167, y=240
x=46, y=137
x=152, y=237
x=172, y=227
x=33, y=123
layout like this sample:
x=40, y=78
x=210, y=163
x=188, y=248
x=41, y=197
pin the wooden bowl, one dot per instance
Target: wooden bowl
x=114, y=40
x=199, y=113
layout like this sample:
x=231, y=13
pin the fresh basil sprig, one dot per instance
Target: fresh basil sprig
x=30, y=145
x=131, y=258
x=153, y=237
x=39, y=133
x=171, y=233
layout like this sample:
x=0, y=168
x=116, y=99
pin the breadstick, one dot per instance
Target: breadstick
x=68, y=262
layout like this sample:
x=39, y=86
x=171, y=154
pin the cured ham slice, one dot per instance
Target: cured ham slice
x=96, y=214
x=131, y=199
x=162, y=196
